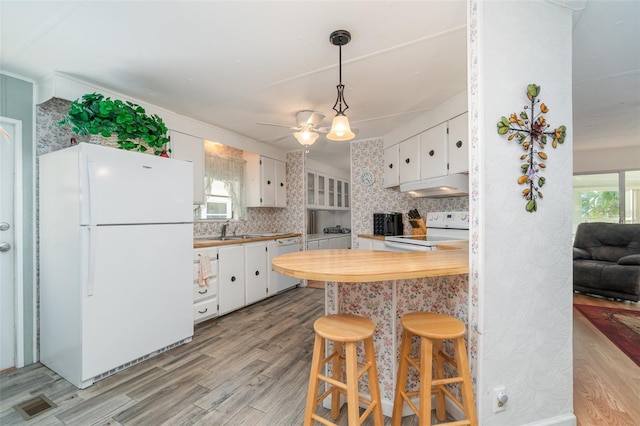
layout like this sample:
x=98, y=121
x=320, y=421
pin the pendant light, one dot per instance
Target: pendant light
x=340, y=129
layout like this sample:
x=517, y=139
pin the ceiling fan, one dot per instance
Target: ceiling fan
x=307, y=130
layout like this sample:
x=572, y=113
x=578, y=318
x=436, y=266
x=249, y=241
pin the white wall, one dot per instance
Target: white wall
x=521, y=278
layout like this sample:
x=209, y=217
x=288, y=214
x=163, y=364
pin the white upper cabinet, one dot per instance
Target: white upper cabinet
x=391, y=169
x=433, y=152
x=327, y=192
x=281, y=183
x=409, y=159
x=190, y=148
x=458, y=144
x=266, y=181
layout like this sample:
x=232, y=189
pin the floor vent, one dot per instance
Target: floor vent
x=34, y=407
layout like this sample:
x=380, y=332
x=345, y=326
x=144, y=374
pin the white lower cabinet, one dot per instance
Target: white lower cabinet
x=370, y=244
x=256, y=273
x=205, y=297
x=231, y=278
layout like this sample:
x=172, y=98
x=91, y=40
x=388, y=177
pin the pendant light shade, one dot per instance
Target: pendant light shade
x=306, y=137
x=340, y=128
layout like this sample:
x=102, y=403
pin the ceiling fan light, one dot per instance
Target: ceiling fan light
x=306, y=137
x=340, y=129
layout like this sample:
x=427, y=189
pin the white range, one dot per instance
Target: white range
x=442, y=227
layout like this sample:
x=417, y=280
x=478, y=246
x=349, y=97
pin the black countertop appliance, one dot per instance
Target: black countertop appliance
x=387, y=223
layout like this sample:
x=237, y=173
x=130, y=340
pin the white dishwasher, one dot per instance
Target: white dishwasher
x=284, y=246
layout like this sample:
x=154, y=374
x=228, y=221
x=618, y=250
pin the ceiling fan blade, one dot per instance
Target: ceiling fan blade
x=279, y=125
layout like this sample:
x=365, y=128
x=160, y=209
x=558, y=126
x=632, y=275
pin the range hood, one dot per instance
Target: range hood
x=455, y=185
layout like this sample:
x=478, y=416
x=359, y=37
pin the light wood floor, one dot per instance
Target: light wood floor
x=606, y=382
x=251, y=368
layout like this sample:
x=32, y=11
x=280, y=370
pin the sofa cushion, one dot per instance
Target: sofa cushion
x=632, y=259
x=579, y=254
x=608, y=241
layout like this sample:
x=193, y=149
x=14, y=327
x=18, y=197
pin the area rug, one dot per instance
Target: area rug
x=621, y=326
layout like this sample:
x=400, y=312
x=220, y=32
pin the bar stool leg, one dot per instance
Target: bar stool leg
x=439, y=374
x=401, y=378
x=337, y=376
x=351, y=363
x=312, y=393
x=426, y=374
x=466, y=389
x=374, y=384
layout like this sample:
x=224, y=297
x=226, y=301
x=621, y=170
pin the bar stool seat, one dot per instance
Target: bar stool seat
x=432, y=329
x=345, y=331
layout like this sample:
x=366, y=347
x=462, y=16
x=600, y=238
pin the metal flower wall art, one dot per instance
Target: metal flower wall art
x=532, y=132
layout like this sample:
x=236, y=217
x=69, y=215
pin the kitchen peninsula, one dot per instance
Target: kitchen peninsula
x=383, y=286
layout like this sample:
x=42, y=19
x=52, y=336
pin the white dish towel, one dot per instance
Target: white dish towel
x=204, y=271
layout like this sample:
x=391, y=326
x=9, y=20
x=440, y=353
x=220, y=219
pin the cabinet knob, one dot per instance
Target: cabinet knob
x=459, y=144
x=233, y=279
x=268, y=182
x=257, y=273
x=391, y=166
x=431, y=153
x=281, y=183
x=408, y=160
x=203, y=292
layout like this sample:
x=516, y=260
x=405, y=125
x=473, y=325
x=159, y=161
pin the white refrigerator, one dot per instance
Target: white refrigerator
x=116, y=244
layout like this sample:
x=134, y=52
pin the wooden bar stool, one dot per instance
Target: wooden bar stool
x=344, y=331
x=432, y=329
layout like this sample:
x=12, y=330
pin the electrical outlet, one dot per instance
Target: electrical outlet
x=499, y=399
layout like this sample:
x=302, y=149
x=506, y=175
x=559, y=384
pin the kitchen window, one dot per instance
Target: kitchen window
x=224, y=184
x=606, y=197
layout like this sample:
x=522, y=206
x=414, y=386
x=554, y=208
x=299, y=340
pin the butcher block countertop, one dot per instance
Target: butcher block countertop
x=213, y=242
x=358, y=266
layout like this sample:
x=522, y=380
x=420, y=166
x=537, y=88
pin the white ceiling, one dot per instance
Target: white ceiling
x=236, y=63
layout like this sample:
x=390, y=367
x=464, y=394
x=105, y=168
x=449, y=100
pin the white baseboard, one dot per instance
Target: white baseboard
x=564, y=420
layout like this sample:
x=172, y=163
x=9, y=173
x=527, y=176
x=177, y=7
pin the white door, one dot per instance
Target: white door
x=433, y=152
x=458, y=146
x=255, y=272
x=10, y=143
x=268, y=178
x=409, y=159
x=230, y=278
x=281, y=183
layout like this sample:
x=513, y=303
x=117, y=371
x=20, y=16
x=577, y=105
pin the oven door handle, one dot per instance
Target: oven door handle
x=406, y=247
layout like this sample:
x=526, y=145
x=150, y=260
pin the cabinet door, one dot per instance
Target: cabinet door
x=280, y=183
x=324, y=244
x=334, y=243
x=409, y=159
x=391, y=170
x=230, y=278
x=311, y=189
x=433, y=152
x=364, y=243
x=347, y=201
x=338, y=193
x=313, y=245
x=322, y=191
x=255, y=284
x=331, y=192
x=268, y=181
x=190, y=148
x=458, y=145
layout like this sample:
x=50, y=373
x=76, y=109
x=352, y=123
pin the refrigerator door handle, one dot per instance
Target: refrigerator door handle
x=91, y=270
x=86, y=175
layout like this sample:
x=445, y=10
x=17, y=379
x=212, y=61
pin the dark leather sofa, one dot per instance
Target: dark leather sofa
x=606, y=260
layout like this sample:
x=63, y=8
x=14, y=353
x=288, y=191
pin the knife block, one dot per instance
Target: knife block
x=421, y=229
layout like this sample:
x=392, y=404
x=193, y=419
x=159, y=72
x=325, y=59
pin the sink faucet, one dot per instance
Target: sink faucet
x=223, y=231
